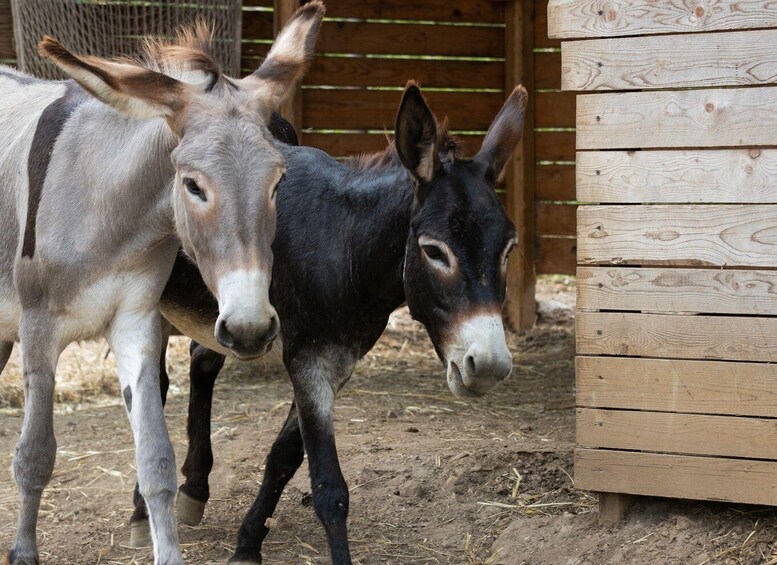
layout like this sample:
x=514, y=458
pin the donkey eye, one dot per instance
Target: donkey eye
x=435, y=254
x=193, y=189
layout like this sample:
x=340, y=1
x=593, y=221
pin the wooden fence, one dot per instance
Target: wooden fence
x=676, y=326
x=465, y=54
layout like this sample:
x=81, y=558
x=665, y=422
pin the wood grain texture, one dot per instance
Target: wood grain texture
x=682, y=337
x=363, y=71
x=683, y=234
x=410, y=39
x=613, y=507
x=694, y=118
x=377, y=109
x=714, y=175
x=694, y=434
x=471, y=11
x=554, y=146
x=555, y=182
x=541, y=38
x=556, y=255
x=258, y=25
x=739, y=58
x=555, y=109
x=672, y=385
x=555, y=219
x=677, y=476
x=707, y=291
x=569, y=19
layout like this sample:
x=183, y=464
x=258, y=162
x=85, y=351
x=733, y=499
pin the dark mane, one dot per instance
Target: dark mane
x=449, y=149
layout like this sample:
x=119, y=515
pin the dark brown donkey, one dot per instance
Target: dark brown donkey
x=413, y=224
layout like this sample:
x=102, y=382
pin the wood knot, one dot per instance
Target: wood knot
x=710, y=107
x=612, y=15
x=699, y=11
x=754, y=153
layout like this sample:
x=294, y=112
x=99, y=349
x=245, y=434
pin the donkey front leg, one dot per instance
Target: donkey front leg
x=37, y=447
x=135, y=339
x=316, y=381
x=285, y=458
x=195, y=492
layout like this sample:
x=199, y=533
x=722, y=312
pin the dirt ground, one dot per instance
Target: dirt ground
x=433, y=479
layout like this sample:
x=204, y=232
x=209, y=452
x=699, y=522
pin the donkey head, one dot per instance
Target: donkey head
x=226, y=165
x=460, y=237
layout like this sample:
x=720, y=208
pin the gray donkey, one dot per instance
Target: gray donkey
x=102, y=180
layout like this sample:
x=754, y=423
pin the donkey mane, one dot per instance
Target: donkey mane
x=448, y=144
x=187, y=57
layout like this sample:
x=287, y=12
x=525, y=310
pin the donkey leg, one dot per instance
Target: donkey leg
x=140, y=533
x=194, y=493
x=285, y=458
x=6, y=347
x=136, y=342
x=37, y=447
x=316, y=381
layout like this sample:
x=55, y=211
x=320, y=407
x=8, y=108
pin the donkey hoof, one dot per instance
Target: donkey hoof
x=189, y=510
x=14, y=558
x=140, y=535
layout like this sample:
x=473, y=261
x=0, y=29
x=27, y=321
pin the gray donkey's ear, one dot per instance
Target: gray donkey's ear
x=130, y=89
x=416, y=135
x=505, y=132
x=289, y=57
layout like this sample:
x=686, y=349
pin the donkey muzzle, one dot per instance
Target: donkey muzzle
x=247, y=322
x=479, y=360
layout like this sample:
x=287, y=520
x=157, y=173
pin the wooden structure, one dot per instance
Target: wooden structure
x=465, y=54
x=677, y=250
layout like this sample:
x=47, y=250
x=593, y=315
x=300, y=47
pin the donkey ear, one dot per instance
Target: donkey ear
x=290, y=55
x=416, y=135
x=132, y=90
x=505, y=132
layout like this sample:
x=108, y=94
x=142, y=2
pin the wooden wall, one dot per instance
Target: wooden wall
x=677, y=255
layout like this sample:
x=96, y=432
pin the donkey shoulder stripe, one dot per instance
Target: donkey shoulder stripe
x=50, y=125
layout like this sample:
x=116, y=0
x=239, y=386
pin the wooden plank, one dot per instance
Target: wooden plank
x=707, y=291
x=684, y=337
x=672, y=385
x=569, y=19
x=411, y=39
x=683, y=234
x=556, y=219
x=470, y=11
x=555, y=182
x=556, y=255
x=343, y=144
x=521, y=305
x=255, y=3
x=713, y=175
x=377, y=109
x=554, y=146
x=694, y=434
x=554, y=109
x=677, y=476
x=739, y=58
x=259, y=25
x=547, y=70
x=693, y=118
x=7, y=50
x=540, y=30
x=363, y=71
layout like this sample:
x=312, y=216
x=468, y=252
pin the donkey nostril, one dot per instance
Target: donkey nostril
x=272, y=333
x=469, y=364
x=223, y=336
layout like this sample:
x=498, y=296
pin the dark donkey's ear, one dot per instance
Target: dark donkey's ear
x=416, y=135
x=505, y=132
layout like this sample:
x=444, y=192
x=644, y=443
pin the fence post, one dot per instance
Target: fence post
x=519, y=176
x=292, y=107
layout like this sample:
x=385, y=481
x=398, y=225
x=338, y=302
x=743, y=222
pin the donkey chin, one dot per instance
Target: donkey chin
x=477, y=356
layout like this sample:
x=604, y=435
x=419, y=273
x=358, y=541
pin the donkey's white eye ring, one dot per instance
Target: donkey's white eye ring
x=194, y=189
